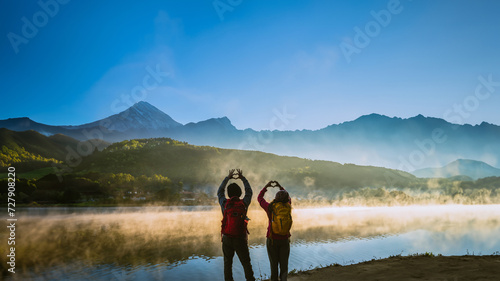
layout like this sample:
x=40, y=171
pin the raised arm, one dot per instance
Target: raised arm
x=221, y=195
x=248, y=189
x=262, y=202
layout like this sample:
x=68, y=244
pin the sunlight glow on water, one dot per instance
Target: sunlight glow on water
x=146, y=244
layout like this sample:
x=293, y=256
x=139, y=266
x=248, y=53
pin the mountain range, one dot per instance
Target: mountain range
x=378, y=140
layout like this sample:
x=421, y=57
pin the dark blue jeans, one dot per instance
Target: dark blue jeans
x=240, y=246
x=278, y=252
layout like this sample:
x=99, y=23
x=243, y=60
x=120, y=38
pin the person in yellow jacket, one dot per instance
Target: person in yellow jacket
x=278, y=230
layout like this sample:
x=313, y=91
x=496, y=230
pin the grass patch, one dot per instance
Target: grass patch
x=426, y=254
x=36, y=174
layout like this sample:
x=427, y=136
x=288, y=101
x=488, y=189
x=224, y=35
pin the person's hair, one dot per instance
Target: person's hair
x=282, y=196
x=233, y=190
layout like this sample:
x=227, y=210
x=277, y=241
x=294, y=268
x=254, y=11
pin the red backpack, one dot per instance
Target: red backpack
x=234, y=221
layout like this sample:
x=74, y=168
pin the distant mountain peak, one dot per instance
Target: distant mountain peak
x=469, y=163
x=461, y=167
x=465, y=161
x=220, y=123
x=223, y=120
x=141, y=115
x=19, y=119
x=144, y=105
x=371, y=119
x=377, y=117
x=373, y=116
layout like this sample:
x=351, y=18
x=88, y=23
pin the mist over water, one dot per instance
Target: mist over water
x=183, y=243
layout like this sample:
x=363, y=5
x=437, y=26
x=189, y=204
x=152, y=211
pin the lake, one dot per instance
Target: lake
x=183, y=243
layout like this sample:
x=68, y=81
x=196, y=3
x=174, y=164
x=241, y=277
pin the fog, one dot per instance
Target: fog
x=140, y=236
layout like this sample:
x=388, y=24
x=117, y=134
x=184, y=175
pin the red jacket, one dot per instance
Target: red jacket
x=265, y=205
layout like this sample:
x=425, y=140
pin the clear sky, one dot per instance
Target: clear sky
x=310, y=63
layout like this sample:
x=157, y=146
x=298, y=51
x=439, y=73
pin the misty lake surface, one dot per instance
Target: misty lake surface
x=183, y=243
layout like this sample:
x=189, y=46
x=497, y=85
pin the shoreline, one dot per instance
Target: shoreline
x=297, y=206
x=414, y=267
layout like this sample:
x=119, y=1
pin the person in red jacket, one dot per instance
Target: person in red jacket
x=238, y=242
x=278, y=246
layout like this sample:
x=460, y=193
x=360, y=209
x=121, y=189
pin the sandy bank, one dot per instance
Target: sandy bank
x=443, y=268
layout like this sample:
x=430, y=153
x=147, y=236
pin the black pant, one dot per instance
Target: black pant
x=240, y=246
x=278, y=252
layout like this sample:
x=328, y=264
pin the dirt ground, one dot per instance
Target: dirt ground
x=442, y=268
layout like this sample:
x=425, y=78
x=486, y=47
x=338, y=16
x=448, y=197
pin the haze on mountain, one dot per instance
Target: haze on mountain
x=378, y=140
x=199, y=166
x=162, y=167
x=461, y=167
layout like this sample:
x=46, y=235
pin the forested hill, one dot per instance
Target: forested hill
x=203, y=166
x=30, y=150
x=164, y=170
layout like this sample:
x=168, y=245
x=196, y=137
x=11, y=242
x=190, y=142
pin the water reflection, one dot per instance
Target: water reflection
x=181, y=244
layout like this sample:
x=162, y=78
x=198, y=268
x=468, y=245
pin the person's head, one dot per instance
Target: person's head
x=282, y=196
x=233, y=190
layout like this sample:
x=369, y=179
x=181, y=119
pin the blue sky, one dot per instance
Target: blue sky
x=305, y=62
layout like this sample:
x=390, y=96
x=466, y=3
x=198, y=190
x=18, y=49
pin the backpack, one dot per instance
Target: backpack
x=234, y=221
x=281, y=218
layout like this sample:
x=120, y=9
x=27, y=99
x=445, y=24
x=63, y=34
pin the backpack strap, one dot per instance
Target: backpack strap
x=272, y=213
